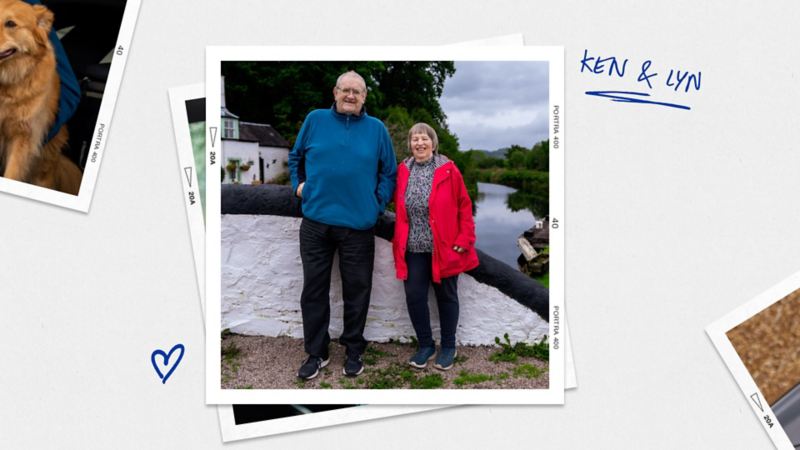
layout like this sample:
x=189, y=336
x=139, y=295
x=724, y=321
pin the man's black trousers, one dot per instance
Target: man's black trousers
x=318, y=244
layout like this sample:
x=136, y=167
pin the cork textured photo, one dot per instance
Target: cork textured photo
x=759, y=342
x=769, y=345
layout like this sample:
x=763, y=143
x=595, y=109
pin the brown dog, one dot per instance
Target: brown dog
x=29, y=89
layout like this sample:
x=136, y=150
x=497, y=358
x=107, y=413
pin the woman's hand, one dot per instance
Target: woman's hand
x=458, y=249
x=299, y=191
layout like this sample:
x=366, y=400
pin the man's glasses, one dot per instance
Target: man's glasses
x=349, y=91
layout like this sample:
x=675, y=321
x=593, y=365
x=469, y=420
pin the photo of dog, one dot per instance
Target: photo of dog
x=29, y=100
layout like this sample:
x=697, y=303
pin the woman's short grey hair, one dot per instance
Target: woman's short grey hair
x=424, y=128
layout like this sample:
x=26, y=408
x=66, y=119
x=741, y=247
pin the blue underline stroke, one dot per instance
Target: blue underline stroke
x=619, y=98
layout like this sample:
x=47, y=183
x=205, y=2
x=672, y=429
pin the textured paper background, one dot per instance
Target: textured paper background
x=674, y=218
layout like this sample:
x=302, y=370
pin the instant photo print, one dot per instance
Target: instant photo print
x=237, y=180
x=77, y=77
x=760, y=344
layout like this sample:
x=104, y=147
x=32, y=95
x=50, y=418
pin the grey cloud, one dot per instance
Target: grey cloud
x=497, y=104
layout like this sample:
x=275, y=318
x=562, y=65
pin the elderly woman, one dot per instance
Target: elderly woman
x=434, y=241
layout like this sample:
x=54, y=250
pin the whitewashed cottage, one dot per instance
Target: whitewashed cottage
x=252, y=153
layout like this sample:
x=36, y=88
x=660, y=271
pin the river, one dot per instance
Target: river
x=497, y=227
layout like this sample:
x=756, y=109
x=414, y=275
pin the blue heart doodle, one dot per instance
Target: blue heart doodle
x=166, y=356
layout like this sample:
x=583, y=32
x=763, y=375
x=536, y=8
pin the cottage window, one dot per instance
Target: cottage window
x=228, y=130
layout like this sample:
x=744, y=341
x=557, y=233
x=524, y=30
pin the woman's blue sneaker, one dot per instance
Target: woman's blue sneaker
x=445, y=359
x=421, y=358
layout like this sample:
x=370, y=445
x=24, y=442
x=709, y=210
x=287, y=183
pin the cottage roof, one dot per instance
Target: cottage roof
x=264, y=134
x=227, y=114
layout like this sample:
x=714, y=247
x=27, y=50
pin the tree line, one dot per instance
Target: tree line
x=401, y=93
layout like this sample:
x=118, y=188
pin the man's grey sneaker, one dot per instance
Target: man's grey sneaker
x=421, y=358
x=353, y=366
x=310, y=368
x=445, y=358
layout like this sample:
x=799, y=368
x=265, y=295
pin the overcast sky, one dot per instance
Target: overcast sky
x=491, y=105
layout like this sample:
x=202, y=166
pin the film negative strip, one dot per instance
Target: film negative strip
x=56, y=158
x=236, y=167
x=760, y=344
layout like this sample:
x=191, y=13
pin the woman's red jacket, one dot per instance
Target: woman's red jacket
x=450, y=216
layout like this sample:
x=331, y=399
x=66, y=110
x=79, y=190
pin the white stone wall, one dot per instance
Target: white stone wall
x=262, y=279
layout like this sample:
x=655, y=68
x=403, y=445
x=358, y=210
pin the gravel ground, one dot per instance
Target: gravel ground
x=258, y=362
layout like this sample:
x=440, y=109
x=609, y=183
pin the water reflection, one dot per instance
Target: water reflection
x=497, y=227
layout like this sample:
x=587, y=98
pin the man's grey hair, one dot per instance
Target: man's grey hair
x=352, y=73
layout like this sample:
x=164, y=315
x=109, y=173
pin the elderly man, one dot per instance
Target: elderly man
x=343, y=167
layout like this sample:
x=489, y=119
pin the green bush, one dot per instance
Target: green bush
x=510, y=353
x=283, y=179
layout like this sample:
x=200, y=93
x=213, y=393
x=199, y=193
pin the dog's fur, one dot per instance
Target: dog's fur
x=29, y=89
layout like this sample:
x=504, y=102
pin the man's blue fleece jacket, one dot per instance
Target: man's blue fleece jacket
x=348, y=165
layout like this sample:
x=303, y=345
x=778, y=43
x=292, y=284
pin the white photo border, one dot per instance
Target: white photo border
x=554, y=394
x=83, y=200
x=717, y=332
